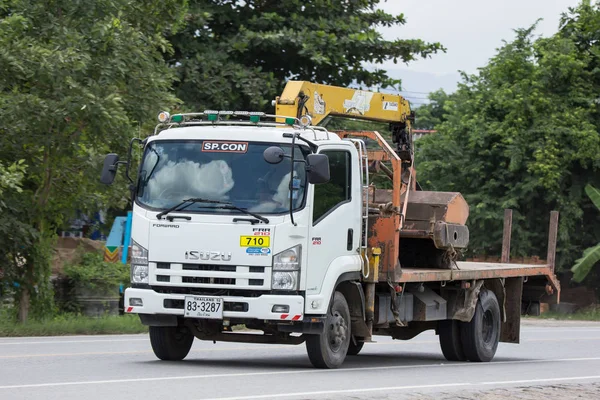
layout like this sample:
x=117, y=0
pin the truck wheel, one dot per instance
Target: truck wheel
x=480, y=337
x=170, y=343
x=355, y=346
x=329, y=349
x=450, y=341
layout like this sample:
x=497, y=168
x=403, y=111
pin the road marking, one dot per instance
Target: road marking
x=116, y=335
x=395, y=388
x=298, y=371
x=267, y=346
x=93, y=353
x=76, y=341
x=550, y=330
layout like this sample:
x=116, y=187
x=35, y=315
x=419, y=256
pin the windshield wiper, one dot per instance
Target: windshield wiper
x=225, y=205
x=182, y=206
x=229, y=206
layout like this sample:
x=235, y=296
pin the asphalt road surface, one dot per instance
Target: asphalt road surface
x=553, y=356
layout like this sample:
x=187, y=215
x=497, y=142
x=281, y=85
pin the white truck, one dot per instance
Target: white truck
x=270, y=221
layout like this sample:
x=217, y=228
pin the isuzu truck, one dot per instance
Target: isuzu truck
x=311, y=236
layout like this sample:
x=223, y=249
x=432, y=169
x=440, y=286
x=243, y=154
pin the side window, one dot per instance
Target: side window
x=337, y=191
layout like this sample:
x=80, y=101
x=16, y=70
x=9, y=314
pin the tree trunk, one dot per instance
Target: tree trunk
x=24, y=304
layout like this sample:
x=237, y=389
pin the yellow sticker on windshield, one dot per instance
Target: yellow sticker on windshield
x=255, y=241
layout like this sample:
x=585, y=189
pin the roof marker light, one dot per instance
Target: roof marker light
x=290, y=121
x=163, y=117
x=255, y=118
x=177, y=118
x=211, y=115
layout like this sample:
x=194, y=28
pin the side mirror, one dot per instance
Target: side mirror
x=317, y=166
x=110, y=169
x=274, y=155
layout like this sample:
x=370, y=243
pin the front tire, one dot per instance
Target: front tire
x=170, y=343
x=481, y=335
x=329, y=349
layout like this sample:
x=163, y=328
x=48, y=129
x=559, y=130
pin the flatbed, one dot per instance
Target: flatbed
x=466, y=270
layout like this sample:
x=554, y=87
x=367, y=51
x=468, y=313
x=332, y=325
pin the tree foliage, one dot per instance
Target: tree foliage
x=591, y=256
x=432, y=114
x=238, y=55
x=523, y=134
x=76, y=79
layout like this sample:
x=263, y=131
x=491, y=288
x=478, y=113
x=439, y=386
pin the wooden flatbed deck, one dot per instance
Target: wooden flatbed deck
x=478, y=270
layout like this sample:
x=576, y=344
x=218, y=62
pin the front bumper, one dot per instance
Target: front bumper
x=257, y=307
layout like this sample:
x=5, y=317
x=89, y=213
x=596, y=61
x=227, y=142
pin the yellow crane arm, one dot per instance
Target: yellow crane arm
x=321, y=101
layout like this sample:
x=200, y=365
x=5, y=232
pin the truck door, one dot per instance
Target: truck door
x=334, y=232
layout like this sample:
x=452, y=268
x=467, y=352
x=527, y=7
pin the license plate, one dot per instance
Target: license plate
x=203, y=307
x=255, y=241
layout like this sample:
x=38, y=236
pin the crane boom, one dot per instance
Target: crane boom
x=322, y=101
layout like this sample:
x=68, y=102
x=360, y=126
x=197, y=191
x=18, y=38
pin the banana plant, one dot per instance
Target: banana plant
x=591, y=255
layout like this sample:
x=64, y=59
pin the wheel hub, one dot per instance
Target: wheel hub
x=337, y=332
x=487, y=326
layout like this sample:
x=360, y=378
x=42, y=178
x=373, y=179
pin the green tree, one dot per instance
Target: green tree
x=591, y=256
x=76, y=77
x=11, y=177
x=432, y=114
x=238, y=55
x=523, y=134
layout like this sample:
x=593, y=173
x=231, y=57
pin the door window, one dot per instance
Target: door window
x=332, y=194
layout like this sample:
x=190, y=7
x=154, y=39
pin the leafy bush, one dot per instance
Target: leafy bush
x=93, y=272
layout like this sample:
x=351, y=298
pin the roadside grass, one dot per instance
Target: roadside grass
x=591, y=313
x=72, y=324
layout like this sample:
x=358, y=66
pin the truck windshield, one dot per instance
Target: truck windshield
x=230, y=171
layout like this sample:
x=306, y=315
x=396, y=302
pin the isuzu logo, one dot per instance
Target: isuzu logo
x=207, y=255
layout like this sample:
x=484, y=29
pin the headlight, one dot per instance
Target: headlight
x=139, y=274
x=287, y=260
x=139, y=264
x=139, y=255
x=285, y=280
x=286, y=269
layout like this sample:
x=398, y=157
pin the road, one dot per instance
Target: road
x=124, y=367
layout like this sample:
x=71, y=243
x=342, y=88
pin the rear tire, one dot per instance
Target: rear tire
x=450, y=340
x=329, y=349
x=355, y=348
x=170, y=343
x=480, y=337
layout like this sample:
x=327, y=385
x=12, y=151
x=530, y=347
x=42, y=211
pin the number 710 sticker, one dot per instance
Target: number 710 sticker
x=255, y=241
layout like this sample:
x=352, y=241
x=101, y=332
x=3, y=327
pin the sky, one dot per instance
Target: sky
x=471, y=31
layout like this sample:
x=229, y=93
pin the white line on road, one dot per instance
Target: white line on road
x=116, y=335
x=266, y=346
x=76, y=341
x=111, y=353
x=395, y=388
x=551, y=330
x=298, y=371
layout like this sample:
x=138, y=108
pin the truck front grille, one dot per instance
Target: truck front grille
x=210, y=276
x=207, y=267
x=216, y=281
